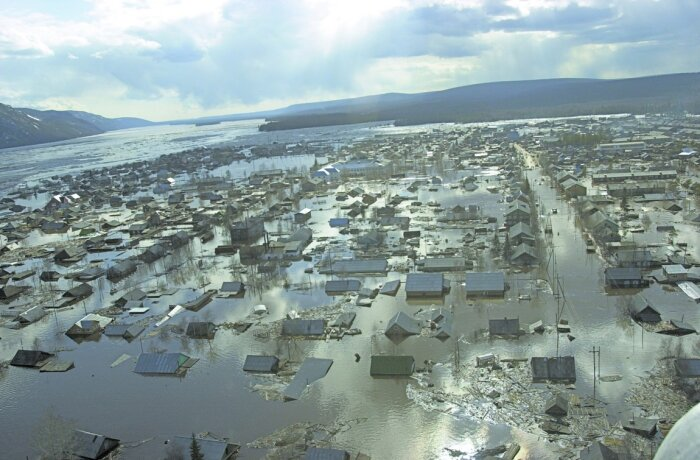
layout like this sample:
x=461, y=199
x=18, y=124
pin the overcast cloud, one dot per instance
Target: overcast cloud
x=169, y=59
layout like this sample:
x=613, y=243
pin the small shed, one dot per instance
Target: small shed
x=231, y=288
x=261, y=364
x=557, y=405
x=79, y=292
x=391, y=366
x=688, y=368
x=390, y=287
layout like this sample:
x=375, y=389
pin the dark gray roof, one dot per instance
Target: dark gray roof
x=201, y=330
x=343, y=286
x=160, y=363
x=485, y=282
x=562, y=368
x=311, y=370
x=79, y=291
x=384, y=365
x=358, y=266
x=231, y=286
x=442, y=264
x=688, y=368
x=504, y=326
x=402, y=324
x=257, y=363
x=211, y=449
x=618, y=273
x=29, y=358
x=298, y=326
x=92, y=446
x=424, y=283
x=318, y=453
x=344, y=320
x=390, y=287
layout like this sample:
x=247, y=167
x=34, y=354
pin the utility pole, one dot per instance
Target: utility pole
x=594, y=351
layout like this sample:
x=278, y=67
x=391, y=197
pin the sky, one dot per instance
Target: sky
x=174, y=59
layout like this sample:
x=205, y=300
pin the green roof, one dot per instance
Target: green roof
x=383, y=365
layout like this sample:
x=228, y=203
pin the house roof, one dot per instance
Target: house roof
x=424, y=283
x=402, y=324
x=359, y=266
x=201, y=330
x=311, y=370
x=485, y=281
x=92, y=446
x=231, y=286
x=504, y=326
x=258, y=363
x=29, y=358
x=347, y=285
x=562, y=368
x=386, y=365
x=623, y=273
x=160, y=363
x=318, y=453
x=302, y=327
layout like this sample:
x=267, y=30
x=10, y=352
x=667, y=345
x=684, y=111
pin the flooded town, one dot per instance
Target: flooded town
x=524, y=289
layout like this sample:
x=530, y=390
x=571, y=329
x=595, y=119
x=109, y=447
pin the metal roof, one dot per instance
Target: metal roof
x=311, y=370
x=485, y=282
x=231, y=286
x=504, y=326
x=402, y=324
x=620, y=273
x=391, y=365
x=292, y=327
x=442, y=264
x=343, y=285
x=318, y=453
x=390, y=287
x=424, y=283
x=358, y=266
x=562, y=368
x=160, y=363
x=257, y=363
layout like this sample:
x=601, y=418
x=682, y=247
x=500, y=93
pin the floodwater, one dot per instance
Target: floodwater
x=216, y=395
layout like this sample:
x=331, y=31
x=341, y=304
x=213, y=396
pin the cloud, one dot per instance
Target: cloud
x=170, y=58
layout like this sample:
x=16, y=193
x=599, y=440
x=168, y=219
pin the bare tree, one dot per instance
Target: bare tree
x=54, y=437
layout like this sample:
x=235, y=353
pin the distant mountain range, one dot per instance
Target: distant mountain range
x=483, y=102
x=19, y=127
x=503, y=100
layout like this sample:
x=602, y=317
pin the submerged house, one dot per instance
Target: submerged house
x=261, y=364
x=504, y=327
x=30, y=358
x=88, y=325
x=392, y=366
x=211, y=449
x=163, y=363
x=560, y=369
x=485, y=284
x=79, y=292
x=201, y=330
x=92, y=446
x=402, y=325
x=303, y=327
x=642, y=310
x=625, y=278
x=425, y=285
